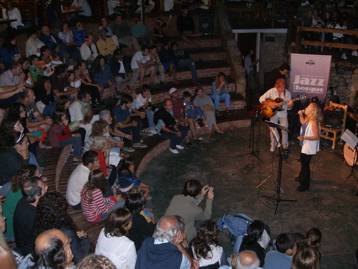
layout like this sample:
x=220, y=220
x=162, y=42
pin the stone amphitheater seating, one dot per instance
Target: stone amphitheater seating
x=211, y=59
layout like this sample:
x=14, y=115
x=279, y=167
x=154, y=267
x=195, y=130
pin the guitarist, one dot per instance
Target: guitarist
x=280, y=117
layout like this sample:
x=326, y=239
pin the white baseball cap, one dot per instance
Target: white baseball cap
x=172, y=90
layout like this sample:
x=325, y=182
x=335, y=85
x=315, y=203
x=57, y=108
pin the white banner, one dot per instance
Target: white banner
x=309, y=75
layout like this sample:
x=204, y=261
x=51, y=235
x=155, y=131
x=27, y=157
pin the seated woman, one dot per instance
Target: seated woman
x=205, y=247
x=219, y=92
x=113, y=242
x=142, y=218
x=194, y=115
x=101, y=142
x=60, y=135
x=45, y=100
x=51, y=213
x=95, y=206
x=204, y=102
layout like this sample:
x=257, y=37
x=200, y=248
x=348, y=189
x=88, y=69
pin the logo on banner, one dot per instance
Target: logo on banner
x=308, y=84
x=310, y=74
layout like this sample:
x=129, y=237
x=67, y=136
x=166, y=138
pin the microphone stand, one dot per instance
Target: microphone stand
x=277, y=196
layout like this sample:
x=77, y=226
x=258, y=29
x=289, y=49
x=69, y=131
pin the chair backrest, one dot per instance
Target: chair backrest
x=344, y=109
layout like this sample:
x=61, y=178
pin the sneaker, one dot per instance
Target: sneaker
x=139, y=145
x=174, y=151
x=179, y=147
x=129, y=149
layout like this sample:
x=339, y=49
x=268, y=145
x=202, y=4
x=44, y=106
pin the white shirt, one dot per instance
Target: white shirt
x=78, y=178
x=8, y=79
x=137, y=58
x=273, y=94
x=88, y=53
x=33, y=46
x=76, y=111
x=309, y=147
x=214, y=256
x=119, y=249
x=85, y=7
x=14, y=14
x=140, y=101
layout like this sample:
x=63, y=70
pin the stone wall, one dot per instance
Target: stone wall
x=230, y=45
x=273, y=53
x=344, y=81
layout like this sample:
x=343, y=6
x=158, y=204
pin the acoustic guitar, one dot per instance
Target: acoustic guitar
x=269, y=107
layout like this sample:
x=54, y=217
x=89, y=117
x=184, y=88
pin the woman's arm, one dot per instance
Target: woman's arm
x=315, y=130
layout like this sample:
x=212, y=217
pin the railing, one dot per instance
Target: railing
x=323, y=43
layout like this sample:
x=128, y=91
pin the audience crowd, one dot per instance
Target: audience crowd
x=89, y=88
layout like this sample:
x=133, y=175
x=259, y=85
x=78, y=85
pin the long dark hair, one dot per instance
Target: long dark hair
x=205, y=238
x=254, y=233
x=51, y=213
x=96, y=181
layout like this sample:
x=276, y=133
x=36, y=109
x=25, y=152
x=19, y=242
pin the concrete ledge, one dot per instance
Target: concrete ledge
x=163, y=146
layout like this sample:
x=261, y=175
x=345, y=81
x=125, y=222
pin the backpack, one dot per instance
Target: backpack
x=236, y=224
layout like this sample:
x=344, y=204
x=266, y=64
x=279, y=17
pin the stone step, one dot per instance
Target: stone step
x=204, y=69
x=207, y=54
x=161, y=96
x=200, y=42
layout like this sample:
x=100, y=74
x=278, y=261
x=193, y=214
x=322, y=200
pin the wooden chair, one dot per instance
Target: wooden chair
x=331, y=133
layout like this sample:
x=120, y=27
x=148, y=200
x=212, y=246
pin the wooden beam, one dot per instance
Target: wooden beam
x=327, y=30
x=330, y=45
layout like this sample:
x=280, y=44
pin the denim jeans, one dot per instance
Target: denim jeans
x=150, y=118
x=76, y=143
x=224, y=96
x=174, y=138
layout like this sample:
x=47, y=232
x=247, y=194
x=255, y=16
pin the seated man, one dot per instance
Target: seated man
x=141, y=66
x=183, y=60
x=79, y=177
x=53, y=247
x=35, y=121
x=168, y=127
x=80, y=107
x=142, y=103
x=165, y=249
x=88, y=50
x=128, y=122
x=24, y=217
x=48, y=38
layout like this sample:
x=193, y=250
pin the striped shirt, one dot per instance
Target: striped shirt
x=94, y=204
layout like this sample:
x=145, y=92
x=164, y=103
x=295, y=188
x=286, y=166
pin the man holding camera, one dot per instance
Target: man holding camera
x=187, y=205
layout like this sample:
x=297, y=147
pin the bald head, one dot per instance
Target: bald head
x=43, y=241
x=53, y=243
x=247, y=259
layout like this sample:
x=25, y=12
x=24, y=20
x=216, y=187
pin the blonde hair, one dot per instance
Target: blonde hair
x=312, y=112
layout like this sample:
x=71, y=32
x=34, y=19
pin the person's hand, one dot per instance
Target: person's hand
x=205, y=190
x=129, y=137
x=211, y=193
x=300, y=138
x=81, y=234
